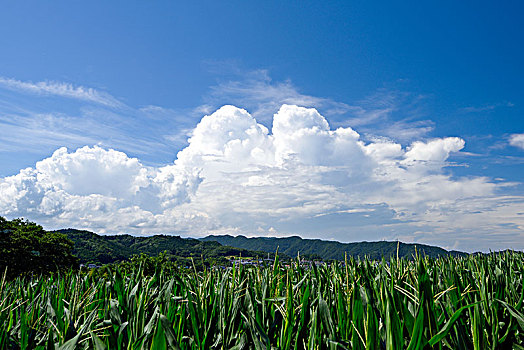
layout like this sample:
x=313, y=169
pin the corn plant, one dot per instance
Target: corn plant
x=447, y=303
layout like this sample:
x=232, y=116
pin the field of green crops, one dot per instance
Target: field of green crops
x=448, y=303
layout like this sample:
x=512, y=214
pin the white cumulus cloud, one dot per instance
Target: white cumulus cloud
x=93, y=187
x=237, y=176
x=517, y=140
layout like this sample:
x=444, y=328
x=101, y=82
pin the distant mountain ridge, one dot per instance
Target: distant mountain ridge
x=330, y=250
x=90, y=247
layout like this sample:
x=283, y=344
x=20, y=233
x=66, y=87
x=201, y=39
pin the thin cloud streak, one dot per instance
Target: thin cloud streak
x=53, y=88
x=485, y=108
x=263, y=97
x=386, y=113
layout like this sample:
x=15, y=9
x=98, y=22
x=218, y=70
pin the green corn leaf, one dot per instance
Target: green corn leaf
x=71, y=344
x=98, y=344
x=325, y=317
x=372, y=336
x=449, y=325
x=159, y=338
x=50, y=343
x=417, y=339
x=169, y=333
x=516, y=314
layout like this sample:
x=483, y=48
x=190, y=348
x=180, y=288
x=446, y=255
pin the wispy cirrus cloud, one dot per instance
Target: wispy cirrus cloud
x=62, y=89
x=390, y=113
x=90, y=117
x=485, y=108
x=263, y=96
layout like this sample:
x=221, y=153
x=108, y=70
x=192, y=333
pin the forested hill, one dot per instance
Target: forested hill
x=90, y=247
x=330, y=249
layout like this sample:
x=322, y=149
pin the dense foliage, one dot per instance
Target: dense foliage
x=26, y=247
x=98, y=249
x=329, y=250
x=448, y=303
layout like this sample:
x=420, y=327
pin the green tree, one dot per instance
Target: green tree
x=26, y=247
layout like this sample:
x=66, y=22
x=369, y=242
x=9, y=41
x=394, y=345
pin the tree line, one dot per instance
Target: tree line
x=26, y=248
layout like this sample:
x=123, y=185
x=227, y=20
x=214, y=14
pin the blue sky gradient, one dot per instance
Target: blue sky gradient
x=137, y=78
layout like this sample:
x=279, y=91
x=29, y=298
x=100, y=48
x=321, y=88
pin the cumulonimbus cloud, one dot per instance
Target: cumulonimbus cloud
x=237, y=176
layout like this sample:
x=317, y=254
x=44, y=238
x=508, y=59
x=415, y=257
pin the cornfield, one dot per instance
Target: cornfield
x=446, y=303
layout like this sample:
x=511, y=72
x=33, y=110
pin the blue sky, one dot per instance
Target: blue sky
x=426, y=98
